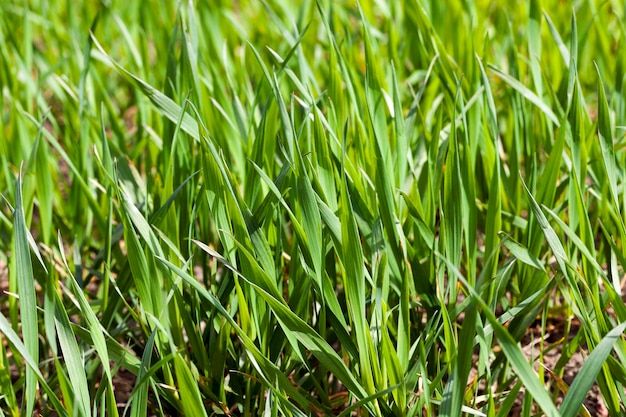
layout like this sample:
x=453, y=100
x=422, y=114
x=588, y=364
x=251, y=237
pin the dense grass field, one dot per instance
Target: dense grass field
x=276, y=208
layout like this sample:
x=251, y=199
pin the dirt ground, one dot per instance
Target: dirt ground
x=554, y=344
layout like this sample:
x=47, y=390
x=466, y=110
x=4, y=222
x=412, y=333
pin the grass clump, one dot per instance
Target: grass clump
x=319, y=208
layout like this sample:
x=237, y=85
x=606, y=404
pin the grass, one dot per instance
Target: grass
x=317, y=208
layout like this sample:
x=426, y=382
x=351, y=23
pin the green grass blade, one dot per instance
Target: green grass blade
x=354, y=281
x=577, y=392
x=164, y=104
x=26, y=291
x=605, y=135
x=296, y=326
x=140, y=391
x=188, y=389
x=558, y=40
x=44, y=185
x=73, y=360
x=520, y=252
x=267, y=369
x=515, y=355
x=527, y=94
x=93, y=324
x=534, y=44
x=5, y=328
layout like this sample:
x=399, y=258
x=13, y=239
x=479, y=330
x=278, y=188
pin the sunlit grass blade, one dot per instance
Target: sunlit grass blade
x=44, y=184
x=298, y=328
x=10, y=334
x=558, y=40
x=527, y=94
x=188, y=388
x=267, y=369
x=95, y=329
x=584, y=379
x=165, y=104
x=521, y=253
x=73, y=359
x=139, y=397
x=605, y=135
x=354, y=281
x=516, y=357
x=78, y=177
x=565, y=267
x=534, y=44
x=26, y=289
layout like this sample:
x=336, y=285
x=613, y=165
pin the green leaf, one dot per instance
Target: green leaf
x=72, y=359
x=164, y=104
x=26, y=291
x=188, y=389
x=274, y=377
x=515, y=356
x=586, y=376
x=5, y=329
x=521, y=252
x=140, y=391
x=527, y=94
x=605, y=136
x=93, y=324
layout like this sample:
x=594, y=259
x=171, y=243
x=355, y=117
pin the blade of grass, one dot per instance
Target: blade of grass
x=513, y=352
x=13, y=338
x=188, y=389
x=526, y=93
x=269, y=371
x=26, y=291
x=591, y=368
x=164, y=104
x=605, y=136
x=72, y=359
x=94, y=326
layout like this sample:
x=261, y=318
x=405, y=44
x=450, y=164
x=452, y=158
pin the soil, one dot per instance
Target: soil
x=554, y=344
